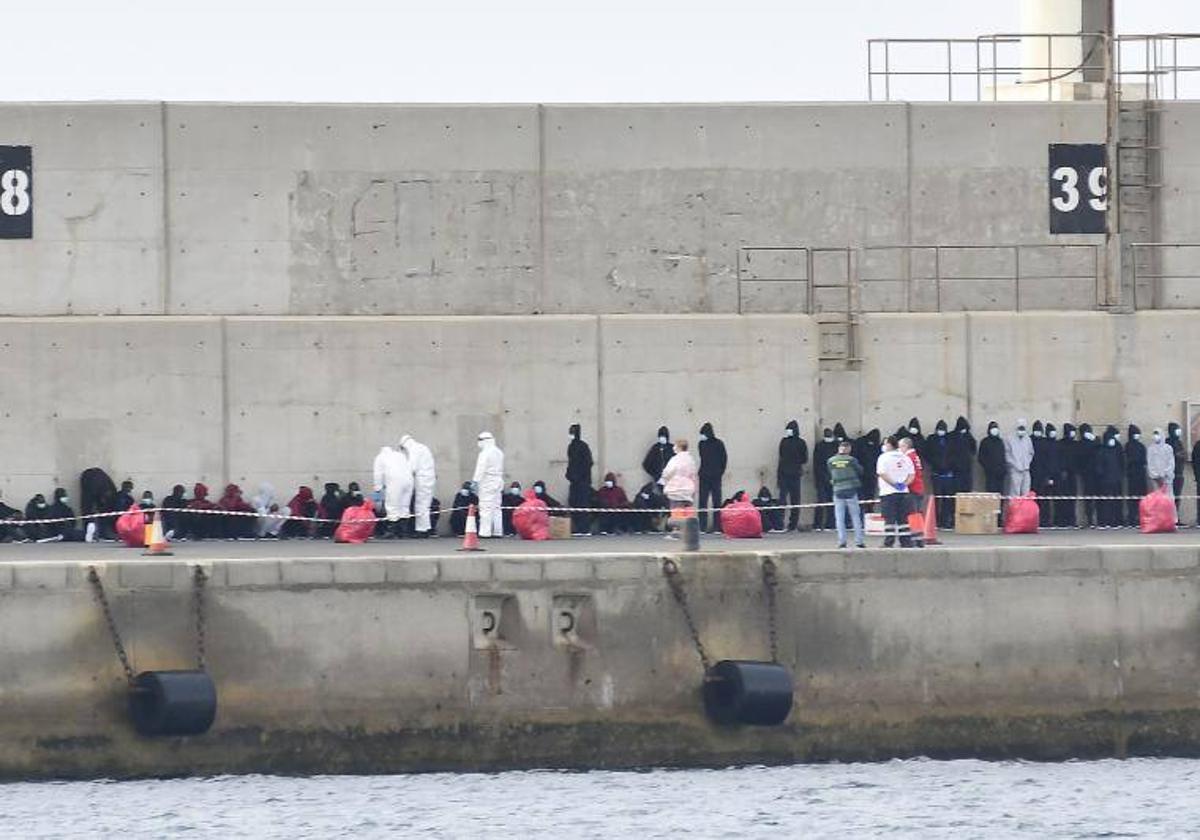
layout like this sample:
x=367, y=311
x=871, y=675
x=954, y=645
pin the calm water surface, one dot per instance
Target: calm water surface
x=1136, y=798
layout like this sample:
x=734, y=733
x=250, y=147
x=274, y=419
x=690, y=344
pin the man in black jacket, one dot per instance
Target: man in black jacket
x=660, y=452
x=579, y=479
x=1110, y=469
x=991, y=459
x=793, y=455
x=1175, y=438
x=1068, y=478
x=939, y=464
x=1047, y=472
x=825, y=449
x=1087, y=450
x=1135, y=475
x=866, y=449
x=962, y=455
x=713, y=460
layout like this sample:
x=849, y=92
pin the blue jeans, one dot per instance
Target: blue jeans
x=840, y=506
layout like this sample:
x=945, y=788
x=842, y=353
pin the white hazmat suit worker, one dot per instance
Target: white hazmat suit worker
x=424, y=479
x=489, y=483
x=394, y=477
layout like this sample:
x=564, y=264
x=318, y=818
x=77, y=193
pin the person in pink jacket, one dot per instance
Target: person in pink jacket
x=679, y=479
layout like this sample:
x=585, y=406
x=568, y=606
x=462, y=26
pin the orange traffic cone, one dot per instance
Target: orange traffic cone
x=156, y=543
x=471, y=533
x=931, y=522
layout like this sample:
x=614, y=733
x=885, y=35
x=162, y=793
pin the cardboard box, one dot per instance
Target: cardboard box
x=976, y=513
x=560, y=527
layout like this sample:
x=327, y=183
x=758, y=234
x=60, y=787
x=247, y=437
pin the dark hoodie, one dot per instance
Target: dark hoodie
x=793, y=455
x=938, y=452
x=510, y=501
x=962, y=447
x=991, y=454
x=713, y=458
x=1037, y=467
x=332, y=503
x=823, y=450
x=539, y=489
x=59, y=509
x=1069, y=450
x=1175, y=438
x=1052, y=455
x=97, y=493
x=1135, y=459
x=579, y=459
x=125, y=496
x=463, y=499
x=37, y=509
x=918, y=439
x=1086, y=456
x=772, y=519
x=656, y=459
x=867, y=450
x=1110, y=461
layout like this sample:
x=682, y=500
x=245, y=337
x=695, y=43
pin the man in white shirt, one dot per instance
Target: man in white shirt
x=895, y=471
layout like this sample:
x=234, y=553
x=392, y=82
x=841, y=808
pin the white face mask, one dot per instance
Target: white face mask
x=1112, y=441
x=703, y=438
x=65, y=500
x=1116, y=436
x=1176, y=433
x=1089, y=436
x=514, y=491
x=828, y=438
x=539, y=489
x=646, y=496
x=608, y=484
x=1157, y=437
x=994, y=432
x=941, y=432
x=662, y=439
x=1136, y=437
x=913, y=430
x=1037, y=434
x=787, y=432
x=1070, y=436
x=1052, y=435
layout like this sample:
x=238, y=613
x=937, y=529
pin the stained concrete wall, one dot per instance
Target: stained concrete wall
x=251, y=209
x=374, y=665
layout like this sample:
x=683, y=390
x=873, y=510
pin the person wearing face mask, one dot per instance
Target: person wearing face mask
x=66, y=531
x=393, y=477
x=649, y=498
x=793, y=455
x=463, y=500
x=1089, y=448
x=660, y=453
x=824, y=449
x=513, y=496
x=489, y=484
x=424, y=470
x=1018, y=458
x=991, y=459
x=962, y=456
x=894, y=472
x=1160, y=461
x=1196, y=472
x=1040, y=479
x=611, y=496
x=939, y=457
x=866, y=449
x=713, y=460
x=1050, y=470
x=913, y=433
x=579, y=479
x=539, y=490
x=37, y=509
x=1110, y=469
x=1175, y=439
x=1136, y=466
x=772, y=517
x=1068, y=479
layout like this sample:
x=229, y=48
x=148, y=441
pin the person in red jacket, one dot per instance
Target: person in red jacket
x=202, y=525
x=302, y=504
x=612, y=496
x=232, y=501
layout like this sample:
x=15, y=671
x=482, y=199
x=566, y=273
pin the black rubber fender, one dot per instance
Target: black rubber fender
x=173, y=702
x=747, y=692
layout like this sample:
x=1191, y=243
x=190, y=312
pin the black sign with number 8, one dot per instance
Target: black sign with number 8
x=16, y=192
x=1078, y=187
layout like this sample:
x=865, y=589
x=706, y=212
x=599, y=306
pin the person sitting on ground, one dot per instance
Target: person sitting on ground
x=331, y=506
x=37, y=509
x=509, y=502
x=648, y=498
x=98, y=494
x=463, y=501
x=531, y=519
x=270, y=522
x=10, y=533
x=539, y=489
x=772, y=520
x=740, y=519
x=67, y=531
x=237, y=526
x=611, y=496
x=125, y=495
x=174, y=524
x=201, y=525
x=303, y=504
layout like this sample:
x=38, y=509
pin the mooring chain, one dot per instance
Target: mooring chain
x=198, y=581
x=771, y=584
x=102, y=599
x=675, y=582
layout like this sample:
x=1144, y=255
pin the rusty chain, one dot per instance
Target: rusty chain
x=675, y=582
x=101, y=598
x=771, y=584
x=198, y=581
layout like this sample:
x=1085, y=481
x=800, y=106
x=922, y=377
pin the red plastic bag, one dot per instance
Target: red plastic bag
x=1021, y=515
x=740, y=519
x=531, y=519
x=1157, y=513
x=358, y=523
x=131, y=527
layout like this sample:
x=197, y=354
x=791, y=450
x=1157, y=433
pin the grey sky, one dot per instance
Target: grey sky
x=478, y=51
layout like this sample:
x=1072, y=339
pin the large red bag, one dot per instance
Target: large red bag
x=1021, y=515
x=740, y=519
x=531, y=519
x=131, y=527
x=358, y=523
x=1157, y=512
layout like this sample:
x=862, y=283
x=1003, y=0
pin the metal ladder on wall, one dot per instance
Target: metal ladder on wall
x=1139, y=178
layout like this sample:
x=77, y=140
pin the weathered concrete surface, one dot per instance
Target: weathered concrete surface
x=379, y=664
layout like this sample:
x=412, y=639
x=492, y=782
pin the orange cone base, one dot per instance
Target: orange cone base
x=930, y=534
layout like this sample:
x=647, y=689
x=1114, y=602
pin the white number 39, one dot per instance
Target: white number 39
x=14, y=193
x=1068, y=178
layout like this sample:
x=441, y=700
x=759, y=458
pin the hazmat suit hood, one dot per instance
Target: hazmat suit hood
x=873, y=437
x=405, y=440
x=529, y=495
x=839, y=432
x=1085, y=429
x=265, y=497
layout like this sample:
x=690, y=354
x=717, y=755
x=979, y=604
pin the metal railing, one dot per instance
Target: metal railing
x=793, y=264
x=1156, y=66
x=1167, y=261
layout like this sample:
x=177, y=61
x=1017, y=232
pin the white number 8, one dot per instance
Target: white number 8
x=14, y=193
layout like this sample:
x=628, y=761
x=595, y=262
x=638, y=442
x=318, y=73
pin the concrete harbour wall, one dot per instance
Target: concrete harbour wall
x=379, y=664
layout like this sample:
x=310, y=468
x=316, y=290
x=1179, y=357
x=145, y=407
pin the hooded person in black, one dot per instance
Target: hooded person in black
x=1089, y=447
x=650, y=497
x=330, y=507
x=962, y=455
x=173, y=522
x=579, y=479
x=991, y=458
x=793, y=455
x=713, y=460
x=539, y=490
x=939, y=461
x=98, y=494
x=509, y=500
x=1175, y=438
x=61, y=509
x=37, y=509
x=1040, y=482
x=823, y=450
x=867, y=449
x=913, y=431
x=772, y=520
x=662, y=451
x=1048, y=455
x=463, y=499
x=1068, y=478
x=1195, y=473
x=1110, y=469
x=1135, y=475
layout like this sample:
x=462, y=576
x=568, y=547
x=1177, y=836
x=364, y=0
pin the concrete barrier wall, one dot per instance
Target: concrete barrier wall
x=245, y=209
x=371, y=665
x=309, y=400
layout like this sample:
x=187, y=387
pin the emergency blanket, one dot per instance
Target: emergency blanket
x=741, y=520
x=531, y=519
x=358, y=523
x=1157, y=513
x=131, y=527
x=1021, y=515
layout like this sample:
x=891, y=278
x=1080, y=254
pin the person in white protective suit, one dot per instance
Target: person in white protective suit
x=489, y=483
x=424, y=479
x=394, y=477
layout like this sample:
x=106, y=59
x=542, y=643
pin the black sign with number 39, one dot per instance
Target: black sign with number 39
x=1078, y=187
